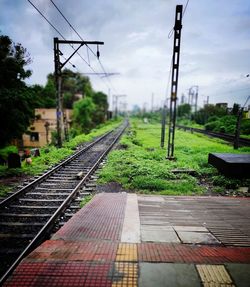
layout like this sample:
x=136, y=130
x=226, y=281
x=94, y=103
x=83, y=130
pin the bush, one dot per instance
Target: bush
x=4, y=152
x=224, y=124
x=245, y=127
x=211, y=126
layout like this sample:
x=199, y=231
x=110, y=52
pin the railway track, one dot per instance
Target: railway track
x=29, y=216
x=226, y=137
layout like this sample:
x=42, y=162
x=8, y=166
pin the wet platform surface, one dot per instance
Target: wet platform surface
x=129, y=240
x=235, y=165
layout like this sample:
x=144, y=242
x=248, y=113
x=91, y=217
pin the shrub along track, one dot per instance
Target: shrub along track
x=28, y=216
x=226, y=137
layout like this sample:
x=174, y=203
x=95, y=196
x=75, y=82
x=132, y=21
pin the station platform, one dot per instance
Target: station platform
x=138, y=240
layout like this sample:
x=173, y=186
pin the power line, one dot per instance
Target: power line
x=88, y=48
x=57, y=31
x=71, y=26
x=46, y=19
x=185, y=8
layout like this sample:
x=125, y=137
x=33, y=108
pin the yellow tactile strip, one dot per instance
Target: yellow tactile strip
x=214, y=276
x=125, y=274
x=127, y=252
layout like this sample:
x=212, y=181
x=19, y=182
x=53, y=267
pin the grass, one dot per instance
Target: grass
x=50, y=155
x=85, y=200
x=143, y=166
x=4, y=190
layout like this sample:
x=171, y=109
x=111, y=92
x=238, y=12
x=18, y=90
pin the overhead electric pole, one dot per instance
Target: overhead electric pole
x=58, y=79
x=174, y=83
x=115, y=103
x=152, y=103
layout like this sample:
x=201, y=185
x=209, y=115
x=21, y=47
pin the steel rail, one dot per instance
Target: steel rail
x=227, y=137
x=47, y=227
x=50, y=172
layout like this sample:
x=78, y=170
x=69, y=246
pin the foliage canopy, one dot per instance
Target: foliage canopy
x=17, y=102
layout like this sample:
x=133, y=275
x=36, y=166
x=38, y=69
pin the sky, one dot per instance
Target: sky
x=215, y=45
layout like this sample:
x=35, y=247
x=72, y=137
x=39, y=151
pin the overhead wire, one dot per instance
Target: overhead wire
x=88, y=48
x=71, y=26
x=47, y=20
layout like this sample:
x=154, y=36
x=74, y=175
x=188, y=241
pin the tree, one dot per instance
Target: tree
x=101, y=104
x=13, y=58
x=201, y=117
x=17, y=101
x=83, y=114
x=235, y=110
x=183, y=110
x=16, y=112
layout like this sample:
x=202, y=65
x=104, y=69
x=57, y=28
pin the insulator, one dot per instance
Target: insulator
x=98, y=53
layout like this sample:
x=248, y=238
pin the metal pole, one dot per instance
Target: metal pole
x=174, y=84
x=152, y=103
x=163, y=125
x=58, y=80
x=116, y=106
x=237, y=130
x=196, y=98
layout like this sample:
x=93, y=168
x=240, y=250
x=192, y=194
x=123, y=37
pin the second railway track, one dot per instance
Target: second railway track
x=226, y=137
x=28, y=216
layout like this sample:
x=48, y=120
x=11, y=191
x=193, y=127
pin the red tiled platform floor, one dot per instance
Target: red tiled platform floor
x=87, y=251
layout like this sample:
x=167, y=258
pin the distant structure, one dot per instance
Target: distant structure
x=40, y=131
x=222, y=105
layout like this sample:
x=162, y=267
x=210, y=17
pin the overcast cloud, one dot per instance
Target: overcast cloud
x=215, y=47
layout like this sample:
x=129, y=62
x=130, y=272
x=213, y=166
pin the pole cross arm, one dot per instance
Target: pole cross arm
x=79, y=42
x=76, y=50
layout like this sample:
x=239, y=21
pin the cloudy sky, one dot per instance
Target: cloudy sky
x=215, y=46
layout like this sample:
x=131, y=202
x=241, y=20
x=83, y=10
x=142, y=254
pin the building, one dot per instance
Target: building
x=222, y=105
x=40, y=131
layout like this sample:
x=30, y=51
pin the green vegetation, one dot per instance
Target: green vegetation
x=213, y=118
x=89, y=107
x=4, y=190
x=16, y=100
x=50, y=155
x=143, y=167
x=4, y=152
x=227, y=125
x=85, y=200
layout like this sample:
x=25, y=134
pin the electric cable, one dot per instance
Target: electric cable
x=46, y=19
x=88, y=48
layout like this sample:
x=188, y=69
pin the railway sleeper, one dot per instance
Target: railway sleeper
x=70, y=171
x=8, y=217
x=59, y=180
x=40, y=202
x=51, y=195
x=58, y=186
x=61, y=190
x=43, y=197
x=17, y=240
x=22, y=209
x=20, y=228
x=9, y=236
x=60, y=176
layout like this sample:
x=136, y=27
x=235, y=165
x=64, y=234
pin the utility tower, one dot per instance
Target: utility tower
x=193, y=97
x=115, y=103
x=58, y=79
x=174, y=84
